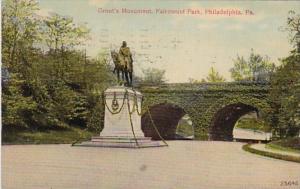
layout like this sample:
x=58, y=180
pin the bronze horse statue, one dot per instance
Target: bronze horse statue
x=122, y=67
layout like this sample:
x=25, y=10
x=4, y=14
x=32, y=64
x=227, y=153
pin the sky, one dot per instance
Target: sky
x=184, y=45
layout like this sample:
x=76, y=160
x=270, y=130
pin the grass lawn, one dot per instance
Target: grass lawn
x=248, y=148
x=253, y=124
x=47, y=137
x=289, y=144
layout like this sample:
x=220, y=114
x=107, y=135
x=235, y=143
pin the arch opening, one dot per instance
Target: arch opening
x=185, y=129
x=224, y=120
x=251, y=128
x=171, y=121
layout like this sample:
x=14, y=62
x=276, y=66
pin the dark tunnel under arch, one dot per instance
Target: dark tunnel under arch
x=166, y=117
x=223, y=122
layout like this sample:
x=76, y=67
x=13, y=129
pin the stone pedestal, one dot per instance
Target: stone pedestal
x=117, y=119
x=122, y=123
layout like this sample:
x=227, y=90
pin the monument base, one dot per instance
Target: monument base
x=122, y=121
x=120, y=142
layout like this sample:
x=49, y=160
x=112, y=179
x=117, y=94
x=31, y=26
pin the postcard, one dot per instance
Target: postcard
x=136, y=94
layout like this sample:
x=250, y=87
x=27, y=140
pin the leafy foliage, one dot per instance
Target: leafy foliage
x=285, y=97
x=287, y=144
x=19, y=32
x=15, y=106
x=96, y=121
x=285, y=87
x=61, y=33
x=214, y=76
x=256, y=68
x=253, y=124
x=293, y=26
x=151, y=76
x=49, y=83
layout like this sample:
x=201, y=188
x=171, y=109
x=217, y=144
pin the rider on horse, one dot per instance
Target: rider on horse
x=126, y=57
x=126, y=61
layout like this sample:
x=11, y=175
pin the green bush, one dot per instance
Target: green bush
x=252, y=123
x=293, y=143
x=96, y=119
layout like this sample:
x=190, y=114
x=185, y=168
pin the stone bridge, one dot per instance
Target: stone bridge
x=213, y=108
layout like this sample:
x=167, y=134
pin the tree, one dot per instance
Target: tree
x=17, y=108
x=19, y=33
x=61, y=35
x=285, y=97
x=214, y=76
x=241, y=70
x=256, y=68
x=153, y=76
x=195, y=81
x=293, y=27
x=51, y=89
x=285, y=88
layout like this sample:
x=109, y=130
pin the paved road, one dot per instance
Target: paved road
x=182, y=165
x=250, y=134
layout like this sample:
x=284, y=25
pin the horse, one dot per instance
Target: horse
x=118, y=67
x=123, y=66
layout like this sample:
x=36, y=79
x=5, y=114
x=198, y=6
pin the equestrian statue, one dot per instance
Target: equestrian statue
x=123, y=63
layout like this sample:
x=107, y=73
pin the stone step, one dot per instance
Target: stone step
x=119, y=139
x=122, y=141
x=128, y=144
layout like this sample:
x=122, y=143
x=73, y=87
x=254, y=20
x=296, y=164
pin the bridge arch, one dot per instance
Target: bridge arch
x=227, y=111
x=202, y=101
x=166, y=117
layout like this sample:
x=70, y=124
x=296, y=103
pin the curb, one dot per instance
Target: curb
x=248, y=148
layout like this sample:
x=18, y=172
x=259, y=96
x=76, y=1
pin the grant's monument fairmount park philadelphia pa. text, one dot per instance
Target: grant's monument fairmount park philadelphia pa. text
x=123, y=110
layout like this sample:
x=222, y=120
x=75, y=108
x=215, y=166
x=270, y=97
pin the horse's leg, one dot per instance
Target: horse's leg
x=123, y=75
x=118, y=73
x=130, y=75
x=126, y=76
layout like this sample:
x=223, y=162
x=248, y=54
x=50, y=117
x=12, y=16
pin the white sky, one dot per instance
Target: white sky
x=186, y=46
